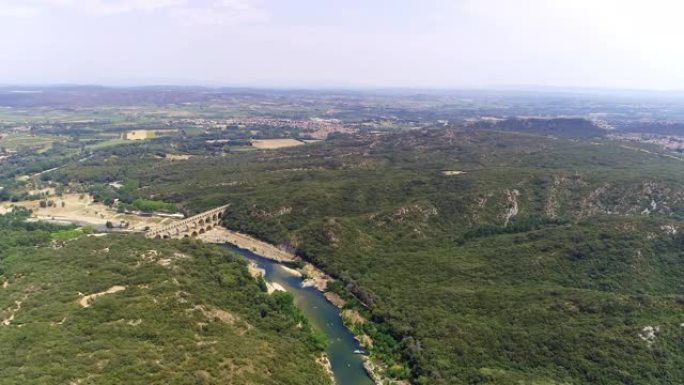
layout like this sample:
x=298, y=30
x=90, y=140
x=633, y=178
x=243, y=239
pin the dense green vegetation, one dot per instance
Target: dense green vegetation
x=559, y=127
x=66, y=234
x=188, y=314
x=546, y=262
x=148, y=205
x=542, y=263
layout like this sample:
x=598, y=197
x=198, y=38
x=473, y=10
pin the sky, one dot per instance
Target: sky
x=616, y=44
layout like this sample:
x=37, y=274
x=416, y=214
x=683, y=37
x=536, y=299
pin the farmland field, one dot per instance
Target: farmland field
x=14, y=142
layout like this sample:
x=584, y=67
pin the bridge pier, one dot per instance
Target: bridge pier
x=190, y=227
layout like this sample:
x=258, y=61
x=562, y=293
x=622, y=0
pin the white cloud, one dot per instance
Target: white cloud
x=18, y=10
x=102, y=7
x=222, y=12
x=27, y=8
x=191, y=12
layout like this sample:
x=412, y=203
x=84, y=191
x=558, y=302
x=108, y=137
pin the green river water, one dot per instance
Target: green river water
x=346, y=365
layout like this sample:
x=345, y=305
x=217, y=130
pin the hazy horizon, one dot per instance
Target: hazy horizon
x=513, y=89
x=431, y=44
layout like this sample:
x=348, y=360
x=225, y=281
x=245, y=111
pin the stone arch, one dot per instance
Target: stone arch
x=186, y=235
x=192, y=226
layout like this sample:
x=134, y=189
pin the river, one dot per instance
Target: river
x=346, y=366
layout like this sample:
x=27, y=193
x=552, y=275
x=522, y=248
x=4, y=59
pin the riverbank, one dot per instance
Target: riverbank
x=313, y=277
x=256, y=272
x=222, y=235
x=344, y=364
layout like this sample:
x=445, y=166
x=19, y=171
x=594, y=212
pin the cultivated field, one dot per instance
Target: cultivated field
x=269, y=144
x=15, y=142
x=145, y=134
x=140, y=135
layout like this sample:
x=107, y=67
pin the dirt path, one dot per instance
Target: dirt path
x=12, y=312
x=88, y=300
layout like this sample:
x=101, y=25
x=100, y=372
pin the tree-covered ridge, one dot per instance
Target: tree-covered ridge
x=557, y=178
x=176, y=313
x=559, y=127
x=482, y=257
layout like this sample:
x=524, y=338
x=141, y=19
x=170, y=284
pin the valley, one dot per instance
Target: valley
x=460, y=240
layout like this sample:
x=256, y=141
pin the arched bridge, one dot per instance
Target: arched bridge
x=190, y=227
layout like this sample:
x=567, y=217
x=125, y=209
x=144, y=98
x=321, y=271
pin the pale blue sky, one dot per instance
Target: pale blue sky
x=344, y=43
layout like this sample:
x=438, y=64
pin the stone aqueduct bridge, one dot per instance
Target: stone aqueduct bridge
x=190, y=227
